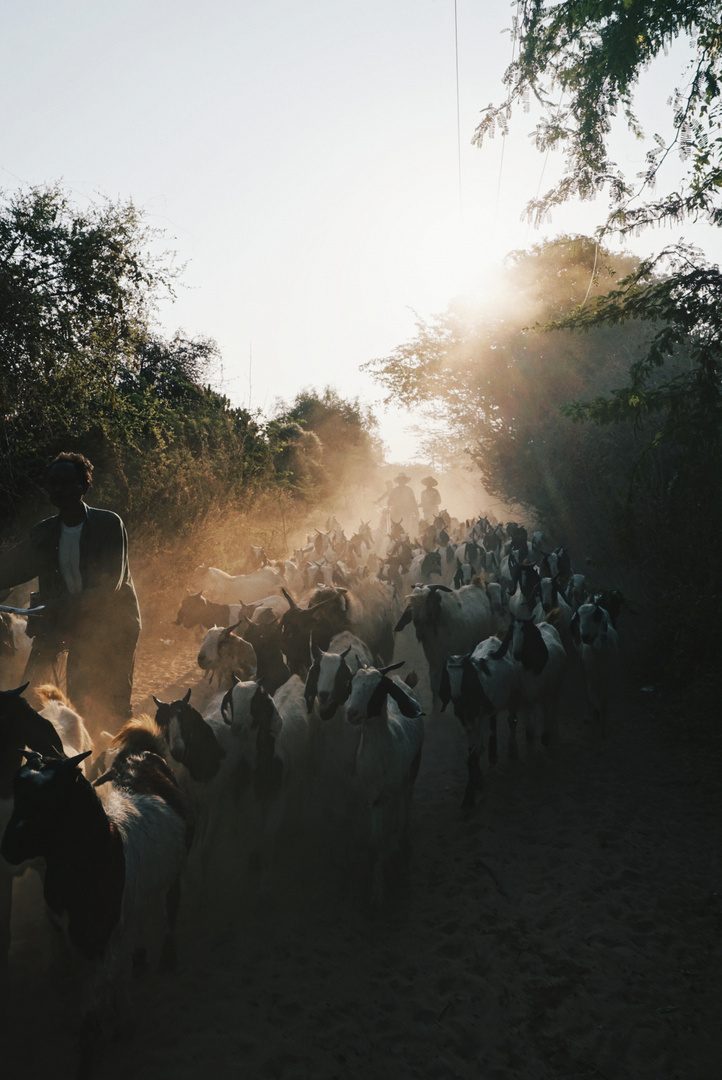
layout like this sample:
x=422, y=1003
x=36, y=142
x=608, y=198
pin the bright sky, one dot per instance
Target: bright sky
x=302, y=159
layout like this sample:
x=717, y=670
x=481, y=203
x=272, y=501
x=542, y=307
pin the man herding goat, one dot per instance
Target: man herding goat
x=80, y=556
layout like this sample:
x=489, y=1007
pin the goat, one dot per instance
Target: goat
x=69, y=725
x=335, y=740
x=464, y=574
x=256, y=558
x=366, y=611
x=110, y=851
x=196, y=610
x=223, y=653
x=551, y=599
x=557, y=565
x=20, y=725
x=424, y=566
x=264, y=634
x=387, y=760
x=612, y=601
x=223, y=588
x=576, y=593
x=203, y=756
x=538, y=650
x=329, y=677
x=191, y=740
x=499, y=603
x=526, y=579
x=597, y=642
x=273, y=733
x=480, y=685
x=446, y=623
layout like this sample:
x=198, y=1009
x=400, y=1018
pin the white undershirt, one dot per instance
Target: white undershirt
x=69, y=556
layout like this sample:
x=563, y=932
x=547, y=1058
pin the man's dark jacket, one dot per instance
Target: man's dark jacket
x=109, y=603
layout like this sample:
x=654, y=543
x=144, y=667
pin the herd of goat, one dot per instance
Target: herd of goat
x=300, y=710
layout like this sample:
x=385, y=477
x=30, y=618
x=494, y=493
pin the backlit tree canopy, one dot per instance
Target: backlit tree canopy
x=582, y=61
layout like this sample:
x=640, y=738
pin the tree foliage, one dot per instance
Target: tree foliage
x=327, y=441
x=583, y=63
x=83, y=367
x=492, y=379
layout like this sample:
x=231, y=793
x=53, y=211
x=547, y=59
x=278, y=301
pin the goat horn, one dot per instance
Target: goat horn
x=70, y=763
x=392, y=667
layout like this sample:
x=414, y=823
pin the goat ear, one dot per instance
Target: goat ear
x=311, y=687
x=501, y=652
x=409, y=705
x=445, y=688
x=291, y=602
x=404, y=620
x=187, y=698
x=538, y=649
x=228, y=701
x=157, y=702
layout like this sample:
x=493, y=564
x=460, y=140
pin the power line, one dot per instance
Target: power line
x=458, y=109
x=514, y=34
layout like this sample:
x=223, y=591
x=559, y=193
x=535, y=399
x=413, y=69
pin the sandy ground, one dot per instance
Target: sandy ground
x=569, y=928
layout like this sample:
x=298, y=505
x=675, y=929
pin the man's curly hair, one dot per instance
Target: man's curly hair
x=81, y=464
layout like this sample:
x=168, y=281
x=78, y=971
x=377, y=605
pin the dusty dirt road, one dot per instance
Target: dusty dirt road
x=570, y=928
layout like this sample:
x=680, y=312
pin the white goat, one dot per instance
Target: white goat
x=330, y=675
x=598, y=644
x=335, y=741
x=499, y=602
x=538, y=650
x=387, y=761
x=69, y=725
x=223, y=653
x=576, y=591
x=223, y=588
x=273, y=740
x=552, y=599
x=480, y=685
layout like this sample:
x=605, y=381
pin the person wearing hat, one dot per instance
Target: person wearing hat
x=403, y=506
x=430, y=499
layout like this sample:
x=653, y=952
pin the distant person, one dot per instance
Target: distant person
x=403, y=506
x=430, y=499
x=80, y=556
x=384, y=499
